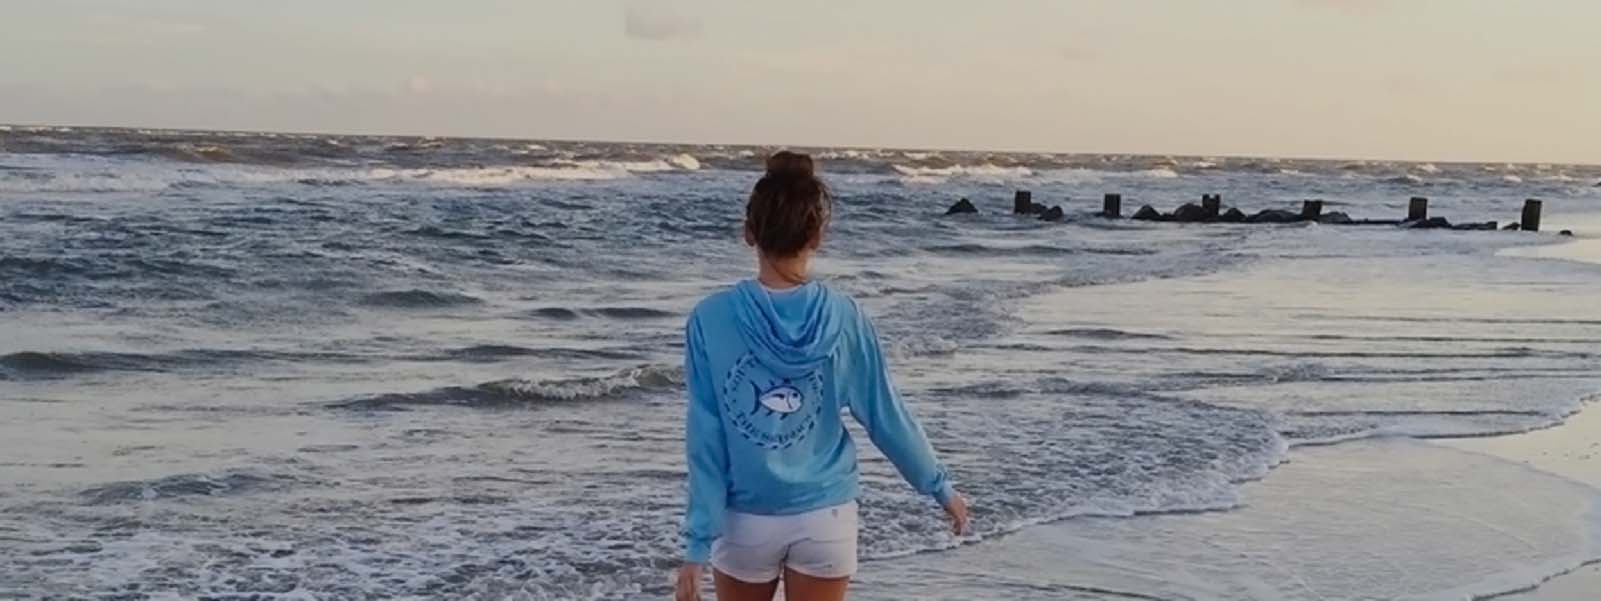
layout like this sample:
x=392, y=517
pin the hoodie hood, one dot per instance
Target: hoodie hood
x=792, y=332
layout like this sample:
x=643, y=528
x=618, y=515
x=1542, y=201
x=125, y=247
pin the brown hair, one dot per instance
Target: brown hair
x=789, y=207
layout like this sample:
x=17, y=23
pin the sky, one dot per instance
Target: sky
x=1484, y=80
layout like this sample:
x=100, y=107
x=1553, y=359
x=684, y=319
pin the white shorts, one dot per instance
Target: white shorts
x=757, y=548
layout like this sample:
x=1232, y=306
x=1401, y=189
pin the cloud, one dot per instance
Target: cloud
x=1532, y=75
x=655, y=21
x=1350, y=6
x=146, y=25
x=1079, y=54
x=419, y=85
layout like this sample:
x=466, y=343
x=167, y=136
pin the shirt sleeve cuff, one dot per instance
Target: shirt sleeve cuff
x=944, y=494
x=697, y=550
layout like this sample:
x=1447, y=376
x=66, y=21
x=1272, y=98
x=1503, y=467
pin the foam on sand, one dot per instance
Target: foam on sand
x=1381, y=506
x=1584, y=247
x=1573, y=451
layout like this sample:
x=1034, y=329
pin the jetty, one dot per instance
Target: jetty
x=1211, y=210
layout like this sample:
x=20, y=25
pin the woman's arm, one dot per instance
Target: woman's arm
x=878, y=407
x=706, y=451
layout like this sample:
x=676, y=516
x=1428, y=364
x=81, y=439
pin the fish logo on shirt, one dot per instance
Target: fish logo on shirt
x=770, y=411
x=783, y=401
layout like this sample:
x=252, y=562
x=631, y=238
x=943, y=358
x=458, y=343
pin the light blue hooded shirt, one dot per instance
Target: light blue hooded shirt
x=769, y=373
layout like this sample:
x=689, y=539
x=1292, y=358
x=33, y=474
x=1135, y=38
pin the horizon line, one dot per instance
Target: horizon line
x=782, y=146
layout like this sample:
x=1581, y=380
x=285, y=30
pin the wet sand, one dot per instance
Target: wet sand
x=1572, y=451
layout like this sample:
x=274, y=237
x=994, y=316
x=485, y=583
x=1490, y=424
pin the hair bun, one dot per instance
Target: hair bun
x=790, y=164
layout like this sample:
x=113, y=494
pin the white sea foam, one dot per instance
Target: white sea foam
x=685, y=161
x=985, y=170
x=1159, y=173
x=1512, y=179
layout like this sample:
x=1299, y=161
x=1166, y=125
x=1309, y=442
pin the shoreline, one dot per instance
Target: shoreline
x=1571, y=450
x=1369, y=515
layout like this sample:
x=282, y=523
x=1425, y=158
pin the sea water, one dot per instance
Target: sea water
x=304, y=366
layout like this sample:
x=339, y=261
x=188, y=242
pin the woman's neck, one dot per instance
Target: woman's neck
x=779, y=274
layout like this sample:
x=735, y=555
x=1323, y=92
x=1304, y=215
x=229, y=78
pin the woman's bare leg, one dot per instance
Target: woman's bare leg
x=733, y=589
x=800, y=587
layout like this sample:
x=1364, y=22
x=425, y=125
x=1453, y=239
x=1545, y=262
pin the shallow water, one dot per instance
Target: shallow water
x=368, y=368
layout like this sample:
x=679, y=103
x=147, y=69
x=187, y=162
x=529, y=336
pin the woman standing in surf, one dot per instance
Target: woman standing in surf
x=771, y=363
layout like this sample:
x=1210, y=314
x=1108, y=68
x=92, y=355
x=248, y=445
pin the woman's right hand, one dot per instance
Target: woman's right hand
x=688, y=586
x=957, y=510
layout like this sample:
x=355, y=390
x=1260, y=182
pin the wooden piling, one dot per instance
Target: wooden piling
x=1212, y=204
x=1023, y=202
x=1531, y=215
x=1311, y=210
x=1113, y=207
x=1419, y=211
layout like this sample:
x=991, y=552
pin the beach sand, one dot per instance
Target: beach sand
x=1573, y=451
x=1337, y=522
x=1584, y=247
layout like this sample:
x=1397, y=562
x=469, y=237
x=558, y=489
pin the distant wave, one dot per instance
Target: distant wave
x=1511, y=352
x=505, y=393
x=59, y=364
x=620, y=313
x=29, y=363
x=40, y=267
x=1106, y=334
x=985, y=170
x=36, y=365
x=1034, y=250
x=417, y=299
x=1161, y=173
x=484, y=353
x=229, y=483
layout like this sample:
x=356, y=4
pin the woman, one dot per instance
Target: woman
x=770, y=364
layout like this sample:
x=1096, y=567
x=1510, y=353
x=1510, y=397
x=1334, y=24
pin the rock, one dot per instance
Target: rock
x=1274, y=216
x=1486, y=226
x=1148, y=213
x=1568, y=233
x=1336, y=218
x=1233, y=215
x=962, y=207
x=1189, y=213
x=1432, y=223
x=1311, y=210
x=1023, y=203
x=1512, y=227
x=1053, y=214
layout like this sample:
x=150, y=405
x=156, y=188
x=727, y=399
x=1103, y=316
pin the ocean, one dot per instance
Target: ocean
x=294, y=366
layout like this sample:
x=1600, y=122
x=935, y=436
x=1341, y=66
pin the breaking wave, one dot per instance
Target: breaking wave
x=510, y=393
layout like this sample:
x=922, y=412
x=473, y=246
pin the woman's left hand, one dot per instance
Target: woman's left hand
x=957, y=510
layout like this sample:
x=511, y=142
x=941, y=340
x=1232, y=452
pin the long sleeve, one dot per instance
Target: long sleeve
x=878, y=407
x=706, y=451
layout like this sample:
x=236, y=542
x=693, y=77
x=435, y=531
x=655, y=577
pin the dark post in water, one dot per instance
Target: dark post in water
x=1311, y=210
x=1113, y=208
x=1531, y=215
x=1023, y=202
x=1419, y=210
x=1212, y=205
